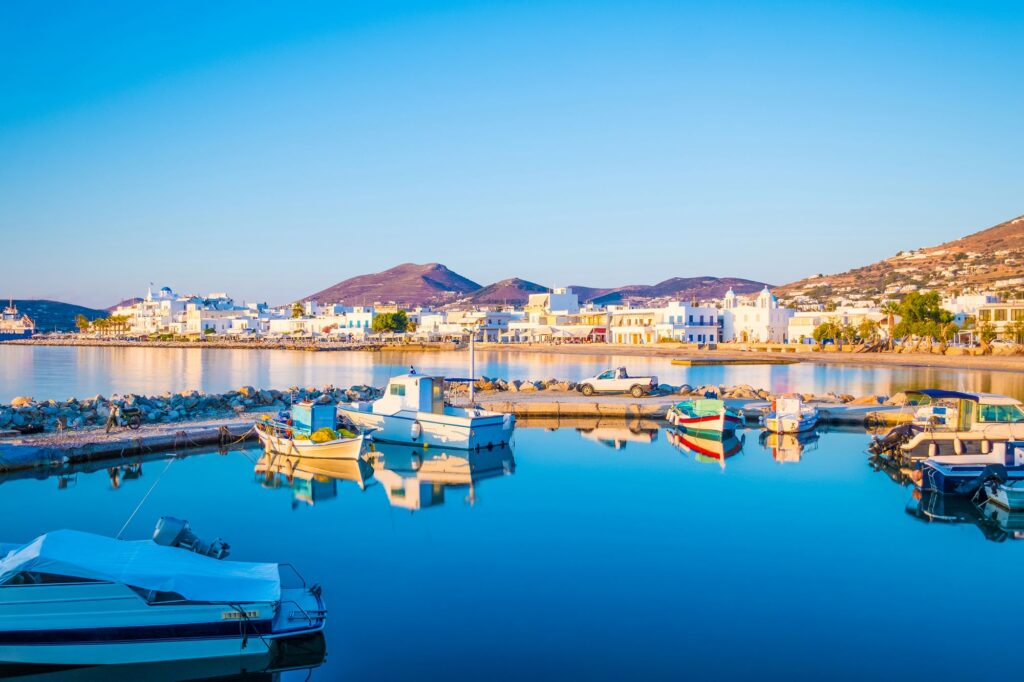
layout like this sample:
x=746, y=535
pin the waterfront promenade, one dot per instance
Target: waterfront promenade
x=1002, y=360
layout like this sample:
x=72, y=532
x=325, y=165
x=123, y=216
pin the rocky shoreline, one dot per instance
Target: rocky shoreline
x=74, y=414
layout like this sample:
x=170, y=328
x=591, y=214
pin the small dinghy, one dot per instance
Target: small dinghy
x=790, y=415
x=74, y=598
x=1008, y=495
x=311, y=431
x=706, y=416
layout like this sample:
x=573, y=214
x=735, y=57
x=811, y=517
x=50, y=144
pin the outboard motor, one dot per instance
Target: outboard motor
x=172, y=532
x=993, y=473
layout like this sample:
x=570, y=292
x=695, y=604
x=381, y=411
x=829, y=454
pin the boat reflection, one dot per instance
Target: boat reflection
x=707, y=450
x=616, y=437
x=788, y=447
x=298, y=654
x=414, y=478
x=311, y=480
x=994, y=522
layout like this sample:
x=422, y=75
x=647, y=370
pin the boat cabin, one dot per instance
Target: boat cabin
x=412, y=392
x=959, y=411
x=309, y=417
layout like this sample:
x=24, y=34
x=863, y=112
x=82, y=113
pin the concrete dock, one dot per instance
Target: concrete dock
x=54, y=450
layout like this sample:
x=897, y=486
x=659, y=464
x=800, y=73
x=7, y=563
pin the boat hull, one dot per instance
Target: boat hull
x=791, y=423
x=1010, y=497
x=346, y=448
x=717, y=424
x=947, y=479
x=435, y=430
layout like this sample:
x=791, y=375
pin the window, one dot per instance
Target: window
x=691, y=319
x=1000, y=413
x=985, y=315
x=1017, y=314
x=610, y=374
x=397, y=389
x=999, y=315
x=702, y=319
x=34, y=578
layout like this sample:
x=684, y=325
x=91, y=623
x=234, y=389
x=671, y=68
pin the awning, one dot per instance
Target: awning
x=145, y=565
x=938, y=393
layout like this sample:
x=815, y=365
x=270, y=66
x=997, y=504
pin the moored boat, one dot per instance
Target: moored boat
x=74, y=598
x=1008, y=495
x=704, y=416
x=790, y=415
x=953, y=423
x=965, y=474
x=413, y=411
x=311, y=431
x=14, y=325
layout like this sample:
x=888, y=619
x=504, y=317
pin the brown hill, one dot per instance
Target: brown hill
x=990, y=259
x=512, y=291
x=676, y=288
x=408, y=284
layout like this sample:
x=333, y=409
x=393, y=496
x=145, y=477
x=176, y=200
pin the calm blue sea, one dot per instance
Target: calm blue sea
x=602, y=554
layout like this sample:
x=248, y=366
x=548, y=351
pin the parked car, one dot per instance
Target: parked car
x=618, y=381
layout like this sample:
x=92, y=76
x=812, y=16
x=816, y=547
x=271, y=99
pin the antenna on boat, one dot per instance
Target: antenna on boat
x=472, y=366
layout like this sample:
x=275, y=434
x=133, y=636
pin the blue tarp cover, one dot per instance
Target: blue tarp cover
x=146, y=565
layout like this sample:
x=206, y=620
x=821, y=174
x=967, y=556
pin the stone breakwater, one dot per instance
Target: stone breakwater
x=90, y=413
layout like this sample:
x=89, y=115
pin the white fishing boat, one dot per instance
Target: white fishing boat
x=413, y=411
x=953, y=423
x=790, y=415
x=311, y=431
x=74, y=598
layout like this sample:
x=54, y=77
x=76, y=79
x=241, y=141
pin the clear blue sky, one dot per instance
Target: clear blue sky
x=271, y=149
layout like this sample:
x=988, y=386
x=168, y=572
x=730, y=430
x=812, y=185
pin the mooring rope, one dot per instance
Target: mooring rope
x=144, y=498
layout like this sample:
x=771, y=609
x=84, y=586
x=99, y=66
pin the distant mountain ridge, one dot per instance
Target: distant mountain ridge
x=990, y=259
x=434, y=284
x=54, y=315
x=405, y=284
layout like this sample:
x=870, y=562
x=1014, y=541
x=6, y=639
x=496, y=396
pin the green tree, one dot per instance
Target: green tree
x=986, y=332
x=82, y=322
x=829, y=329
x=391, y=322
x=921, y=314
x=1015, y=331
x=298, y=310
x=867, y=330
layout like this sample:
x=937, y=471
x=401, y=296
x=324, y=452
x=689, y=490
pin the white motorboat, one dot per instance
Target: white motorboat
x=74, y=598
x=413, y=411
x=310, y=430
x=953, y=423
x=790, y=415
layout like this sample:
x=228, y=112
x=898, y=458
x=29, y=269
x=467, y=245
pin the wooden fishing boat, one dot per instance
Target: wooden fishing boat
x=705, y=416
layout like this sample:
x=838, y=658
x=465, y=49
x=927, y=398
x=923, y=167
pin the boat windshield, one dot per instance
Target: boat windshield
x=1000, y=414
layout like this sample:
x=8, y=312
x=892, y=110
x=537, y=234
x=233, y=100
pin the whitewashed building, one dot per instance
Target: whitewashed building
x=762, y=321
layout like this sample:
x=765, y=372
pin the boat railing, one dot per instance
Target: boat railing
x=295, y=572
x=303, y=613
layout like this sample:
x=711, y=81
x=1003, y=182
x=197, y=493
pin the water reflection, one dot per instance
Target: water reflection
x=310, y=480
x=788, y=447
x=707, y=450
x=995, y=523
x=617, y=435
x=414, y=478
x=60, y=372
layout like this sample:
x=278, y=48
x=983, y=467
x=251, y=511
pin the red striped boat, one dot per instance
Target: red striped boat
x=704, y=416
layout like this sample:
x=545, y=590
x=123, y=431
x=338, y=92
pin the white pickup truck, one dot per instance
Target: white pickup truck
x=618, y=381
